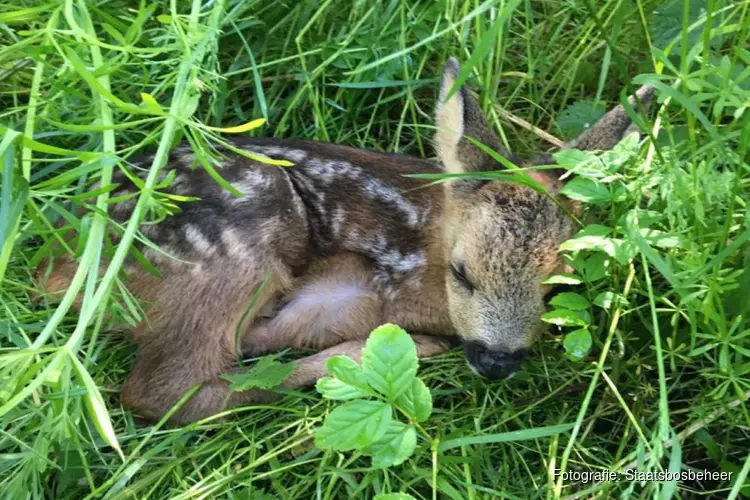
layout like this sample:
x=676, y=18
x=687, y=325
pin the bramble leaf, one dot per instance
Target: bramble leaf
x=563, y=279
x=354, y=425
x=586, y=190
x=348, y=371
x=579, y=116
x=416, y=401
x=267, y=373
x=398, y=444
x=389, y=360
x=606, y=300
x=577, y=344
x=332, y=388
x=570, y=300
x=566, y=317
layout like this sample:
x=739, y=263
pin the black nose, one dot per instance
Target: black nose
x=493, y=364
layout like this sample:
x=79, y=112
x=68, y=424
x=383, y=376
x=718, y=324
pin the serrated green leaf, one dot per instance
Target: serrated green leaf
x=587, y=191
x=332, y=388
x=348, y=371
x=594, y=230
x=595, y=266
x=622, y=250
x=579, y=116
x=354, y=425
x=577, y=344
x=606, y=300
x=589, y=243
x=267, y=373
x=563, y=279
x=564, y=317
x=660, y=239
x=389, y=360
x=570, y=300
x=396, y=445
x=416, y=401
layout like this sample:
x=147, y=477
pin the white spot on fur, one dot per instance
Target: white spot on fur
x=392, y=260
x=180, y=184
x=310, y=189
x=407, y=263
x=337, y=220
x=197, y=240
x=299, y=206
x=186, y=159
x=295, y=155
x=376, y=189
x=327, y=171
x=233, y=242
x=252, y=181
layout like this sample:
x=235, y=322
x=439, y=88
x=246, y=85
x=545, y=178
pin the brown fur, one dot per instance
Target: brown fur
x=350, y=244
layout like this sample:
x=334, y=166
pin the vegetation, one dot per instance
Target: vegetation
x=646, y=366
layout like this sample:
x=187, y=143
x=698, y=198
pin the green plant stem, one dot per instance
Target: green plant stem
x=592, y=386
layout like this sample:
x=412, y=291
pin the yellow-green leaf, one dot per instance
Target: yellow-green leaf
x=239, y=128
x=151, y=103
x=96, y=406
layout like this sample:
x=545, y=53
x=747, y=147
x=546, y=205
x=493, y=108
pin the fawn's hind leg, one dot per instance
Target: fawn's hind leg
x=190, y=338
x=312, y=368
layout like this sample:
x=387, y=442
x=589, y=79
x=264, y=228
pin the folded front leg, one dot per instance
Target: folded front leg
x=333, y=303
x=312, y=368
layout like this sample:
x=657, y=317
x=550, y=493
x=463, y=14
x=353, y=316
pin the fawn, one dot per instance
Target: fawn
x=350, y=245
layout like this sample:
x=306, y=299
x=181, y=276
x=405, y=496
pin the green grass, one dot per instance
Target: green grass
x=666, y=383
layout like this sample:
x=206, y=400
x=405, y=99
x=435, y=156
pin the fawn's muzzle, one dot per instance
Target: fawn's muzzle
x=493, y=364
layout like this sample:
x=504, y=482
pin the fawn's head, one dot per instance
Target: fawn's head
x=501, y=239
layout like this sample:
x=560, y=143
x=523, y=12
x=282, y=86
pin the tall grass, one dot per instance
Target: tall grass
x=84, y=85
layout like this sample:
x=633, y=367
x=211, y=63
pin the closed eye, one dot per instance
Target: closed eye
x=459, y=274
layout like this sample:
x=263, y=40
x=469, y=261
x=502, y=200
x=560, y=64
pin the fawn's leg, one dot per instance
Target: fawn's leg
x=334, y=302
x=335, y=308
x=312, y=368
x=190, y=338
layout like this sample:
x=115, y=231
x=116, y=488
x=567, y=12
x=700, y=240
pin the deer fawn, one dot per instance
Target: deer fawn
x=351, y=244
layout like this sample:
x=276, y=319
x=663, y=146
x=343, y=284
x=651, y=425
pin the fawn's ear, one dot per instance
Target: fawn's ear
x=609, y=130
x=456, y=118
x=613, y=126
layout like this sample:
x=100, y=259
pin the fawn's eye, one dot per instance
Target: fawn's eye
x=459, y=274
